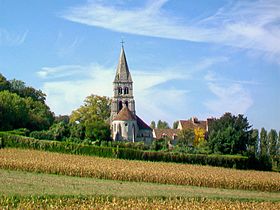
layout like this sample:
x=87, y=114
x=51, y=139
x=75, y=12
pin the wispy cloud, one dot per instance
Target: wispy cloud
x=66, y=46
x=251, y=25
x=11, y=39
x=61, y=71
x=229, y=97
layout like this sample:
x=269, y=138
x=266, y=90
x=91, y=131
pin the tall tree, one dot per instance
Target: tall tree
x=175, y=124
x=162, y=125
x=272, y=139
x=263, y=142
x=254, y=148
x=153, y=125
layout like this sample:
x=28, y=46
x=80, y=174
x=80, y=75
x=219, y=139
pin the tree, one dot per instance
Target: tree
x=254, y=148
x=186, y=138
x=153, y=125
x=199, y=136
x=263, y=143
x=162, y=125
x=39, y=115
x=230, y=134
x=95, y=108
x=4, y=83
x=272, y=139
x=175, y=124
x=19, y=87
x=13, y=111
x=98, y=130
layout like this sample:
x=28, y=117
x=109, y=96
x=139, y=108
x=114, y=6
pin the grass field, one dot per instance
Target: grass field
x=140, y=171
x=26, y=184
x=80, y=182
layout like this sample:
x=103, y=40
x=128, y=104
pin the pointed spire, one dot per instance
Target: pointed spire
x=122, y=74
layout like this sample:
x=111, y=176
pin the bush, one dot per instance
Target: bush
x=42, y=135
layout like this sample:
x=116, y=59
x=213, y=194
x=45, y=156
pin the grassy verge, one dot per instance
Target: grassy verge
x=34, y=184
x=139, y=171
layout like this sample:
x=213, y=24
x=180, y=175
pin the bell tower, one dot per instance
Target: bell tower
x=122, y=88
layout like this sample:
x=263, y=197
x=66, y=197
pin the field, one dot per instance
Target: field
x=138, y=171
x=75, y=202
x=33, y=179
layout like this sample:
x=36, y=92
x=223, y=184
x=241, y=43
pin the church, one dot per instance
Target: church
x=125, y=124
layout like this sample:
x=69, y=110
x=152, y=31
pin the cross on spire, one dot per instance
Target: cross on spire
x=122, y=42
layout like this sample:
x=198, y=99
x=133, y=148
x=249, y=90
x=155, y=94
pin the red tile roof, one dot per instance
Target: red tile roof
x=190, y=124
x=161, y=133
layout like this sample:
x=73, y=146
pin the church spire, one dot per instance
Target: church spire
x=122, y=74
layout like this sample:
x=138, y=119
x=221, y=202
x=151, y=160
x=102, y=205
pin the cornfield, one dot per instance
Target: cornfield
x=140, y=171
x=130, y=203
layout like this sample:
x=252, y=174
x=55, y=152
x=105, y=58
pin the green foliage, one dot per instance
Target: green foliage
x=4, y=84
x=153, y=125
x=253, y=148
x=98, y=130
x=230, y=135
x=77, y=130
x=264, y=143
x=175, y=124
x=162, y=125
x=272, y=139
x=13, y=111
x=42, y=135
x=159, y=144
x=95, y=108
x=22, y=107
x=186, y=138
x=23, y=91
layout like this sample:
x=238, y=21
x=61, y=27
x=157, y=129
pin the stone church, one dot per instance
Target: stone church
x=125, y=124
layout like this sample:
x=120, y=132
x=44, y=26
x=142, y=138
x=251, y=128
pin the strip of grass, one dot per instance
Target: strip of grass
x=35, y=184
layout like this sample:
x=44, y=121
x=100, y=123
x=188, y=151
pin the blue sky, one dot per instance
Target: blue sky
x=187, y=58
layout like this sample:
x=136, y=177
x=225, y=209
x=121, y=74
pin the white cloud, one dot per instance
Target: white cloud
x=66, y=95
x=11, y=39
x=251, y=25
x=232, y=98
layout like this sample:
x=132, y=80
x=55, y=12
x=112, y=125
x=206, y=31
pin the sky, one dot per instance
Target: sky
x=187, y=58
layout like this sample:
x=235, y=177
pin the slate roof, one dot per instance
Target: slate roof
x=141, y=124
x=125, y=114
x=160, y=133
x=122, y=74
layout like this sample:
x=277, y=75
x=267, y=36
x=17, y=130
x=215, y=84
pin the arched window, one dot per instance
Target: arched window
x=120, y=106
x=126, y=90
x=126, y=103
x=119, y=90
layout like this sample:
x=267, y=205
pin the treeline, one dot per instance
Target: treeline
x=22, y=106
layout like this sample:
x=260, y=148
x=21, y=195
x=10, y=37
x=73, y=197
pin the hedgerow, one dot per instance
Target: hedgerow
x=238, y=162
